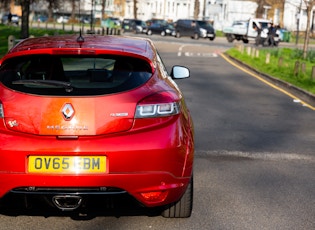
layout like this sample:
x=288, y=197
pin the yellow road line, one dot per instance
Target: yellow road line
x=268, y=83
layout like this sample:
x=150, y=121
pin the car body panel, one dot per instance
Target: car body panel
x=105, y=44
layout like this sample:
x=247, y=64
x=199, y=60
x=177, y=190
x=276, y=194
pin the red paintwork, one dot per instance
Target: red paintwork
x=92, y=44
x=143, y=155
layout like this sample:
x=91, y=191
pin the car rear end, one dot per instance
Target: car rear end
x=87, y=118
x=206, y=30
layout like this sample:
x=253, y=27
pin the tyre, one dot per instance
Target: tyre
x=163, y=33
x=230, y=38
x=177, y=35
x=264, y=42
x=182, y=208
x=149, y=32
x=196, y=36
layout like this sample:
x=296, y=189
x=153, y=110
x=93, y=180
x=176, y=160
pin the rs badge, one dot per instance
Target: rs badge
x=13, y=123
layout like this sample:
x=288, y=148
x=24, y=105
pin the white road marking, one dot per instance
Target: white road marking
x=193, y=54
x=189, y=54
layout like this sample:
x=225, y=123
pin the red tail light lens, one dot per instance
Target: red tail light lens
x=157, y=196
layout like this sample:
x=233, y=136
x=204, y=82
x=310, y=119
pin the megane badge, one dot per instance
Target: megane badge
x=67, y=111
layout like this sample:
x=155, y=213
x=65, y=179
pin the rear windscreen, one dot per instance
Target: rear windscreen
x=74, y=75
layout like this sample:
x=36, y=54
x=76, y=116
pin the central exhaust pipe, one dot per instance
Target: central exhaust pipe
x=67, y=202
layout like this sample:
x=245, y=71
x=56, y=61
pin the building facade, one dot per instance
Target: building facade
x=221, y=12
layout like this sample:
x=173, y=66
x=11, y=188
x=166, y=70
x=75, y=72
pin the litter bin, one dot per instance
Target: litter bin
x=286, y=36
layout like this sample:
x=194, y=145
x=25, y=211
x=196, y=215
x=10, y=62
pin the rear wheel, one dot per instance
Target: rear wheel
x=245, y=41
x=163, y=33
x=177, y=35
x=230, y=38
x=183, y=208
x=196, y=36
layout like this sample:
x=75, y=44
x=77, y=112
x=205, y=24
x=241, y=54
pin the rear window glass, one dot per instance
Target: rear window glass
x=204, y=24
x=74, y=75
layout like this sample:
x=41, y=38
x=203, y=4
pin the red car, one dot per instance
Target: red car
x=95, y=116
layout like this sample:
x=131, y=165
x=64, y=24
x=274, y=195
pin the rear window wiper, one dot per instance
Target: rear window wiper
x=64, y=84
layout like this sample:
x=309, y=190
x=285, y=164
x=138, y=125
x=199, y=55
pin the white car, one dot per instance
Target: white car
x=63, y=19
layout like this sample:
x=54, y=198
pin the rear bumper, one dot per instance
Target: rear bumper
x=133, y=184
x=209, y=35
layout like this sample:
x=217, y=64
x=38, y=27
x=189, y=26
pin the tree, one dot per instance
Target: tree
x=52, y=4
x=274, y=4
x=260, y=8
x=25, y=4
x=196, y=9
x=135, y=8
x=4, y=4
x=103, y=8
x=309, y=7
x=73, y=8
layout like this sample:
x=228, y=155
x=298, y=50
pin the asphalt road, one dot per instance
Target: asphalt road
x=254, y=160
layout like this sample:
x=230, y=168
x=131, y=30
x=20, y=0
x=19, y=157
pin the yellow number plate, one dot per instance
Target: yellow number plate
x=67, y=164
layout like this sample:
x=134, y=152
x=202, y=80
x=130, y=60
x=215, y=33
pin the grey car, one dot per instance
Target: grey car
x=194, y=28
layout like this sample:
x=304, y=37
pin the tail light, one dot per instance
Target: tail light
x=158, y=105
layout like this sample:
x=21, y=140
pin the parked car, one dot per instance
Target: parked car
x=85, y=20
x=163, y=29
x=127, y=25
x=41, y=18
x=134, y=25
x=63, y=19
x=111, y=22
x=140, y=26
x=15, y=19
x=195, y=29
x=156, y=21
x=94, y=117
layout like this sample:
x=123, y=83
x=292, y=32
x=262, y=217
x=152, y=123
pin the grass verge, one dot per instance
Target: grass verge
x=282, y=63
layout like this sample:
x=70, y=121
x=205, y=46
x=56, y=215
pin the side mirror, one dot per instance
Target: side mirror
x=180, y=72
